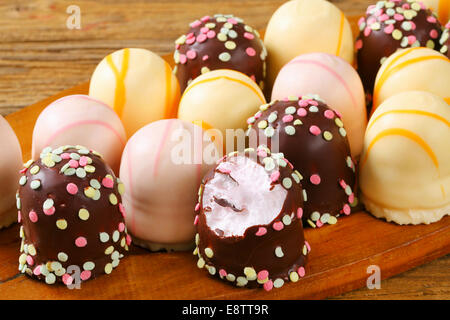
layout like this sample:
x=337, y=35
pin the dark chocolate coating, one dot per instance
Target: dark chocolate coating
x=311, y=154
x=239, y=60
x=104, y=216
x=376, y=39
x=232, y=254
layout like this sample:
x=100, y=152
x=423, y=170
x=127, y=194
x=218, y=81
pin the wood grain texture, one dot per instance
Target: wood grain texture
x=39, y=57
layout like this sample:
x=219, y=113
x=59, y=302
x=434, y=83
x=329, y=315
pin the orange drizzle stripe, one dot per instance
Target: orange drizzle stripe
x=383, y=76
x=119, y=95
x=417, y=112
x=260, y=96
x=341, y=32
x=404, y=133
x=444, y=8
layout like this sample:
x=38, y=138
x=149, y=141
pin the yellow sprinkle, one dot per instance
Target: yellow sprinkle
x=89, y=192
x=61, y=224
x=89, y=168
x=250, y=273
x=83, y=214
x=113, y=199
x=293, y=276
x=109, y=250
x=121, y=188
x=108, y=268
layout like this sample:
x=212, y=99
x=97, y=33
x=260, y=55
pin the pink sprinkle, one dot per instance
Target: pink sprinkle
x=72, y=188
x=85, y=275
x=289, y=164
x=371, y=20
x=319, y=223
x=278, y=226
x=121, y=227
x=367, y=31
x=303, y=103
x=211, y=34
x=67, y=279
x=313, y=102
x=80, y=242
x=343, y=184
x=191, y=54
x=431, y=19
x=253, y=77
x=413, y=25
x=361, y=20
x=434, y=34
x=128, y=239
x=250, y=51
x=73, y=164
x=197, y=206
x=339, y=115
x=177, y=46
x=351, y=198
x=447, y=26
x=232, y=21
x=204, y=30
x=190, y=35
x=83, y=161
x=406, y=6
x=65, y=156
x=274, y=176
x=23, y=170
x=268, y=285
x=205, y=18
x=37, y=271
x=122, y=210
x=288, y=118
x=301, y=272
x=358, y=44
x=108, y=183
x=249, y=36
x=205, y=57
x=196, y=220
x=257, y=115
x=224, y=170
x=301, y=112
x=389, y=29
x=50, y=212
x=307, y=246
x=30, y=260
x=399, y=17
x=190, y=41
x=411, y=39
x=315, y=179
x=299, y=213
x=261, y=231
x=383, y=17
x=19, y=217
x=196, y=24
x=262, y=153
x=201, y=38
x=222, y=273
x=314, y=130
x=263, y=275
x=346, y=209
x=328, y=114
x=183, y=58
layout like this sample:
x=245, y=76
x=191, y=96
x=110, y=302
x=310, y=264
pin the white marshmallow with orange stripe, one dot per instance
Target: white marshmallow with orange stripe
x=221, y=99
x=413, y=69
x=336, y=82
x=139, y=85
x=440, y=7
x=404, y=172
x=304, y=26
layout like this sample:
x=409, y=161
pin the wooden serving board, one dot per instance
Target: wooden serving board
x=338, y=261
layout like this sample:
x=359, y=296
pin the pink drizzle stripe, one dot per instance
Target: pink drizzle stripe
x=161, y=145
x=336, y=75
x=130, y=211
x=96, y=122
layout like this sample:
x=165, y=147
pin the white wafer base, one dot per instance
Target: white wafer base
x=406, y=216
x=169, y=247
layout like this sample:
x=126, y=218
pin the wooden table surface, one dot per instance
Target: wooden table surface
x=40, y=56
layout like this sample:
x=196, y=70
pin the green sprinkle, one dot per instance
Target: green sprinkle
x=279, y=252
x=80, y=172
x=23, y=180
x=325, y=217
x=200, y=263
x=269, y=131
x=290, y=110
x=224, y=56
x=313, y=109
x=35, y=184
x=95, y=184
x=62, y=257
x=241, y=281
x=262, y=124
x=231, y=277
x=342, y=132
x=272, y=117
x=89, y=266
x=209, y=252
x=69, y=172
x=278, y=283
x=290, y=130
x=287, y=220
x=49, y=203
x=287, y=183
x=104, y=237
